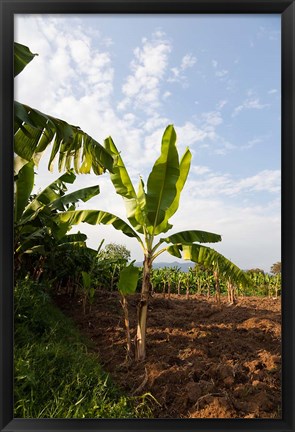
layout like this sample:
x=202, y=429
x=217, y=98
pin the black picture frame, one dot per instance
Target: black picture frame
x=287, y=10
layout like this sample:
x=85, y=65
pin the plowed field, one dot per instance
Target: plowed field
x=203, y=360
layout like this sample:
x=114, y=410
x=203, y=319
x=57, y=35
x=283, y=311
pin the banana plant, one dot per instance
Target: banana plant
x=276, y=283
x=231, y=292
x=149, y=211
x=127, y=285
x=35, y=131
x=33, y=214
x=181, y=282
x=87, y=280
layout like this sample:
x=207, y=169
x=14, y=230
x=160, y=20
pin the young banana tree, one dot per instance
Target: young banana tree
x=148, y=211
x=127, y=285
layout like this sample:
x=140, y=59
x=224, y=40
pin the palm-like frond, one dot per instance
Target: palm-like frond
x=34, y=131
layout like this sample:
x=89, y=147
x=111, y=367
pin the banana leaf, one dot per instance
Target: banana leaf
x=161, y=184
x=35, y=131
x=96, y=217
x=207, y=256
x=22, y=57
x=23, y=189
x=189, y=237
x=184, y=168
x=124, y=187
x=128, y=279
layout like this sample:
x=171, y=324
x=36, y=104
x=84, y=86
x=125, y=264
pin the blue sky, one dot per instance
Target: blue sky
x=215, y=77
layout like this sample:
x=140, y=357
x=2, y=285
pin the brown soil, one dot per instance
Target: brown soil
x=203, y=360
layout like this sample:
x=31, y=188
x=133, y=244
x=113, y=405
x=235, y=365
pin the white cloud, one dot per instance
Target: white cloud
x=200, y=170
x=159, y=34
x=269, y=33
x=251, y=143
x=142, y=87
x=221, y=104
x=189, y=134
x=223, y=146
x=155, y=122
x=249, y=104
x=214, y=184
x=188, y=61
x=211, y=139
x=166, y=95
x=212, y=118
x=223, y=76
x=69, y=70
x=80, y=51
x=266, y=181
x=178, y=75
x=272, y=91
x=221, y=73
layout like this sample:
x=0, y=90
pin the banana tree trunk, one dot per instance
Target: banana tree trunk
x=276, y=290
x=208, y=288
x=187, y=290
x=198, y=286
x=124, y=305
x=164, y=289
x=140, y=340
x=169, y=290
x=178, y=289
x=231, y=293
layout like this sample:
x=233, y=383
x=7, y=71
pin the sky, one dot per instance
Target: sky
x=216, y=78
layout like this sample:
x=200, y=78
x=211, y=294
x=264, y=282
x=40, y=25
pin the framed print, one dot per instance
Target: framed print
x=147, y=215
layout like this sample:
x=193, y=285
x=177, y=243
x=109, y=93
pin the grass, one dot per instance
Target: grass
x=55, y=376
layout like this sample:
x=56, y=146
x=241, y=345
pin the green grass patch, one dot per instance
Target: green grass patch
x=55, y=376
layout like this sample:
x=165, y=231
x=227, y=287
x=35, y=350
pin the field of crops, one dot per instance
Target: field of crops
x=204, y=360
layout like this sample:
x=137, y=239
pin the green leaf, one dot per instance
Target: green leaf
x=91, y=293
x=128, y=279
x=124, y=187
x=31, y=238
x=209, y=257
x=36, y=249
x=84, y=195
x=184, y=168
x=161, y=185
x=96, y=217
x=73, y=238
x=35, y=131
x=18, y=164
x=22, y=57
x=86, y=278
x=140, y=212
x=48, y=195
x=120, y=177
x=23, y=189
x=188, y=237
